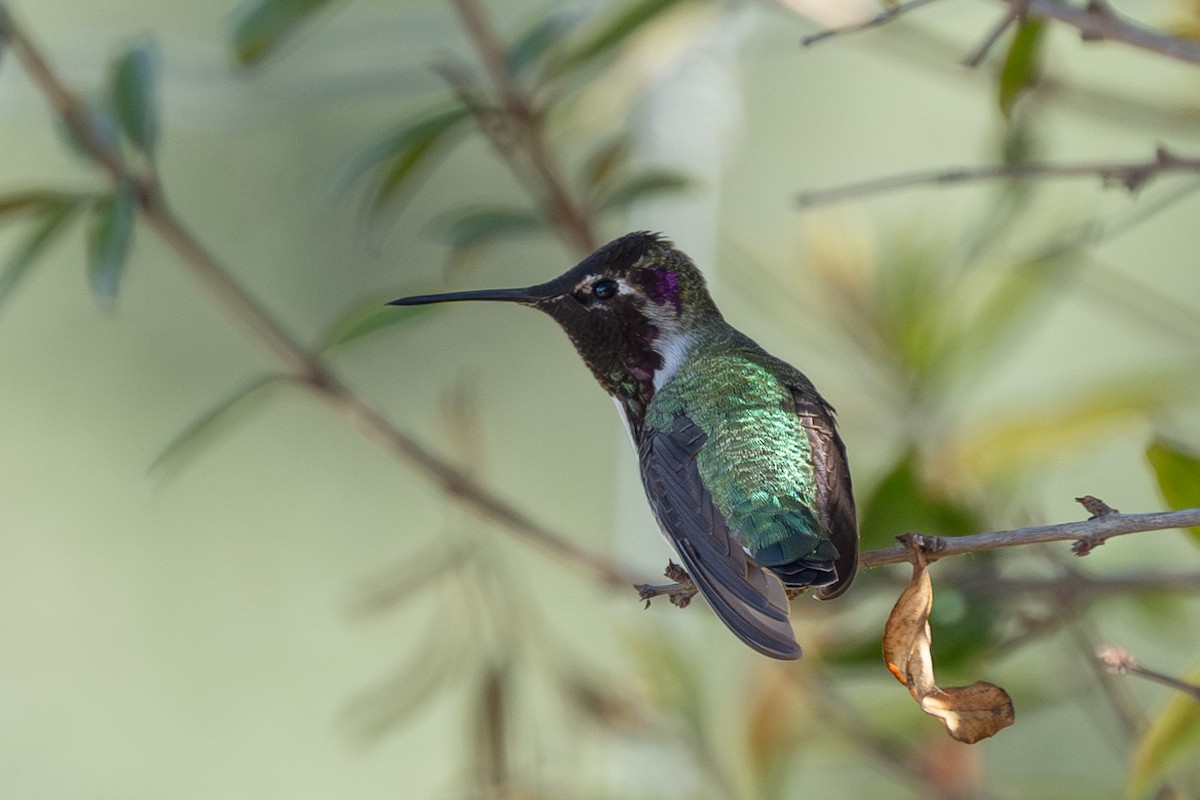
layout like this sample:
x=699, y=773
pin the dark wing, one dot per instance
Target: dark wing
x=835, y=494
x=747, y=598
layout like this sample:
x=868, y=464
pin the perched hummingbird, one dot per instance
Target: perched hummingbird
x=739, y=455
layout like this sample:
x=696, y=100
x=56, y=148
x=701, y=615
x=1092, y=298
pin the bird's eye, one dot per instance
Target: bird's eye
x=605, y=289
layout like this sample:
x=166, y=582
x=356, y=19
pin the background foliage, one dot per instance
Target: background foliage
x=273, y=613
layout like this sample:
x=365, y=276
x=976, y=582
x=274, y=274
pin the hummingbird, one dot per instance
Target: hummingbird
x=739, y=454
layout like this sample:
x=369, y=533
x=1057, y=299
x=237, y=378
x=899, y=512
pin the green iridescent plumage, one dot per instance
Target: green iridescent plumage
x=757, y=462
x=739, y=455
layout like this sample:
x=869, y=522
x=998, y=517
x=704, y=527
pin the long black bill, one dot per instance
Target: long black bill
x=530, y=295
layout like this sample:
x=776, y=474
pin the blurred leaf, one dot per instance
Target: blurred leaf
x=644, y=185
x=262, y=24
x=611, y=32
x=475, y=227
x=371, y=316
x=396, y=156
x=605, y=161
x=672, y=679
x=1022, y=64
x=102, y=126
x=775, y=718
x=1177, y=469
x=616, y=709
x=435, y=664
x=134, y=98
x=970, y=713
x=34, y=200
x=913, y=308
x=108, y=243
x=1172, y=737
x=54, y=220
x=1008, y=310
x=490, y=757
x=536, y=41
x=1013, y=443
x=386, y=592
x=217, y=420
x=902, y=503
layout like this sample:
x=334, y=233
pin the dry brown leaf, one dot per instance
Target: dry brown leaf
x=970, y=713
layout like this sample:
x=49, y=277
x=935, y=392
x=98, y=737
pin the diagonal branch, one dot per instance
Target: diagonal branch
x=305, y=367
x=1096, y=21
x=569, y=217
x=882, y=18
x=1132, y=175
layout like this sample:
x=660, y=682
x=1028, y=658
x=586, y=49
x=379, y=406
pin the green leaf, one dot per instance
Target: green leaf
x=388, y=591
x=134, y=99
x=1172, y=740
x=537, y=41
x=368, y=318
x=901, y=503
x=1177, y=469
x=1022, y=64
x=34, y=201
x=605, y=161
x=645, y=185
x=612, y=32
x=1009, y=310
x=262, y=24
x=217, y=420
x=477, y=226
x=54, y=221
x=109, y=238
x=397, y=156
x=103, y=130
x=436, y=664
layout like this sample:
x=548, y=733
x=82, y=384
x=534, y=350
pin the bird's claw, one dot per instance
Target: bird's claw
x=680, y=593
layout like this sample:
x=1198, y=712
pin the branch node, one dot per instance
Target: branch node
x=1115, y=659
x=919, y=543
x=1101, y=10
x=1096, y=507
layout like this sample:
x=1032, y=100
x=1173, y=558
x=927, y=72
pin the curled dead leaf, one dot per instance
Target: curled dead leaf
x=970, y=713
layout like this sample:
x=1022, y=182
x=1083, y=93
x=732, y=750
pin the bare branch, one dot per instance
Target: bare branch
x=1090, y=533
x=1096, y=21
x=1132, y=175
x=306, y=368
x=1118, y=661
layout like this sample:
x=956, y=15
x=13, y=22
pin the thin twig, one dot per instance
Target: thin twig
x=1118, y=661
x=558, y=204
x=1132, y=175
x=976, y=58
x=1129, y=714
x=1087, y=535
x=262, y=326
x=882, y=18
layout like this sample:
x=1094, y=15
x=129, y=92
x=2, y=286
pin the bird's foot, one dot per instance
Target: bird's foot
x=680, y=593
x=793, y=592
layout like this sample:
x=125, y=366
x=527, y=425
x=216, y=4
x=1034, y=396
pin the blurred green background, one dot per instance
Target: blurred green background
x=288, y=612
